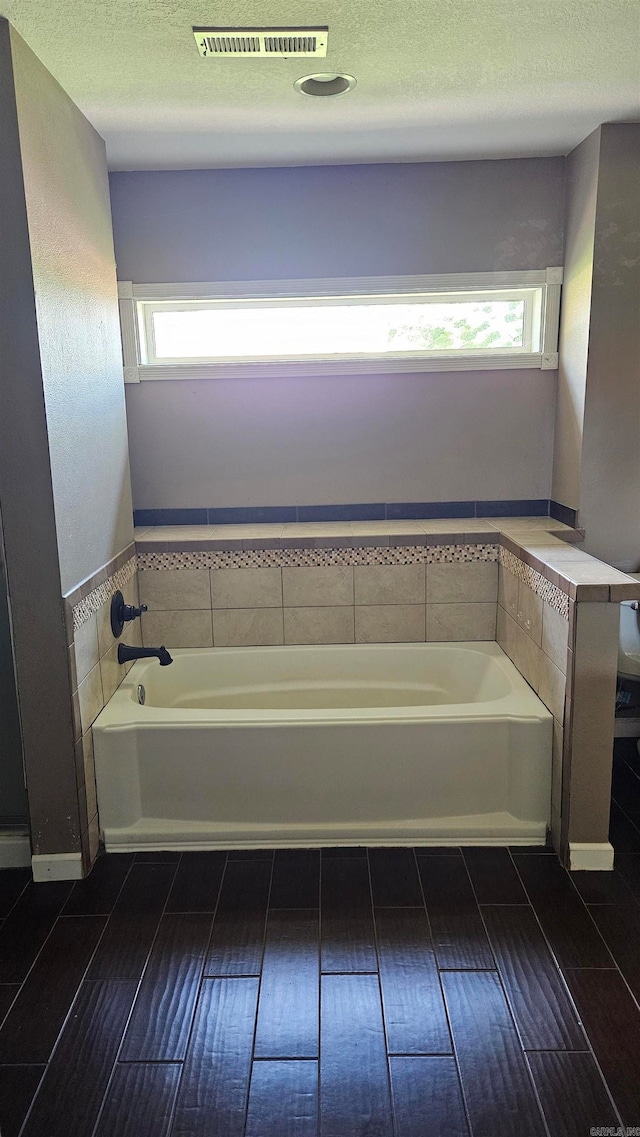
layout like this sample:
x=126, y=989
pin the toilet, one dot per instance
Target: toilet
x=629, y=640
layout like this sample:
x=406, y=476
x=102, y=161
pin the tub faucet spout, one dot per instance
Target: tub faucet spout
x=126, y=654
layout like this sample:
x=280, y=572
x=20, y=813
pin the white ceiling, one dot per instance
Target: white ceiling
x=437, y=79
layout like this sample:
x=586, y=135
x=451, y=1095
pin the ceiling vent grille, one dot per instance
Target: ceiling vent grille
x=218, y=43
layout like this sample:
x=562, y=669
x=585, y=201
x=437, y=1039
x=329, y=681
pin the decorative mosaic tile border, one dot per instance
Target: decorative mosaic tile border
x=312, y=558
x=85, y=608
x=548, y=592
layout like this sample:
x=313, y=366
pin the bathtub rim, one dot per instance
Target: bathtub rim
x=521, y=703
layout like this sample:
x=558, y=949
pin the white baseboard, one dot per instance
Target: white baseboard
x=15, y=849
x=57, y=866
x=583, y=855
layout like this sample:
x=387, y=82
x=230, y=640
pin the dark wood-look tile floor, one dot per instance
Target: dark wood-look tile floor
x=342, y=993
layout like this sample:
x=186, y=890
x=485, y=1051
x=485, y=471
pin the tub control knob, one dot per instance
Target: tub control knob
x=122, y=613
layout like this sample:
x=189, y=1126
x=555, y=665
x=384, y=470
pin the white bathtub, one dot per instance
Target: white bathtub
x=300, y=746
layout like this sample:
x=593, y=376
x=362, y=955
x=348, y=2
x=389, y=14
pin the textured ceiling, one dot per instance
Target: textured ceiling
x=436, y=80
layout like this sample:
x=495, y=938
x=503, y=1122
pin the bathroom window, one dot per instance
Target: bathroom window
x=484, y=320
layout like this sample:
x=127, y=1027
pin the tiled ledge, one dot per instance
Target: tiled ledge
x=546, y=545
x=339, y=534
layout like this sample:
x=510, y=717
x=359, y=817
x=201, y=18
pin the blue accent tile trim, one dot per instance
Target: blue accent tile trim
x=372, y=512
x=253, y=515
x=170, y=517
x=563, y=513
x=406, y=510
x=534, y=507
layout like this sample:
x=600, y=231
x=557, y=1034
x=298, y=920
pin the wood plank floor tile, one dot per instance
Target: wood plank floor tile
x=619, y=926
x=623, y=834
x=140, y=1100
x=565, y=920
x=625, y=786
x=533, y=850
x=8, y=992
x=289, y=992
x=573, y=1095
x=628, y=865
x=212, y=1098
x=98, y=892
x=296, y=879
x=394, y=878
x=159, y=1026
x=12, y=883
x=71, y=1092
x=497, y=1086
x=412, y=1001
x=237, y=940
x=347, y=934
x=493, y=876
x=602, y=887
x=612, y=1021
x=129, y=934
x=196, y=885
x=427, y=1098
x=27, y=926
x=18, y=1085
x=354, y=1081
x=539, y=1000
x=459, y=937
x=283, y=1100
x=34, y=1022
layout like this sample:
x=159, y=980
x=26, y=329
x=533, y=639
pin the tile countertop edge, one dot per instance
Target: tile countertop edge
x=549, y=551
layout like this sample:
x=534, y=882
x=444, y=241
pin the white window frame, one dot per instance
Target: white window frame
x=137, y=304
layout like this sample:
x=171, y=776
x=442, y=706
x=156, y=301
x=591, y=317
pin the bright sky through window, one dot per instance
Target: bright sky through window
x=353, y=328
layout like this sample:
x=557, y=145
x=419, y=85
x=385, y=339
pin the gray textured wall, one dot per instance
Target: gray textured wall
x=281, y=442
x=67, y=199
x=597, y=434
x=26, y=504
x=13, y=799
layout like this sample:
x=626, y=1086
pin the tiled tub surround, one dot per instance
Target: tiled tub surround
x=328, y=596
x=547, y=604
x=96, y=674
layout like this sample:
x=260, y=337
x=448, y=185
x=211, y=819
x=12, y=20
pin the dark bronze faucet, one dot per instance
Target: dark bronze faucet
x=126, y=654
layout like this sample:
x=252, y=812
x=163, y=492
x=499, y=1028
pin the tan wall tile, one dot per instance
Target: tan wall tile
x=324, y=625
x=85, y=639
x=390, y=623
x=530, y=612
x=555, y=632
x=389, y=584
x=89, y=774
x=315, y=587
x=91, y=698
x=556, y=776
x=246, y=588
x=171, y=590
x=506, y=629
x=551, y=686
x=111, y=672
x=178, y=629
x=461, y=622
x=247, y=627
x=472, y=583
x=508, y=591
x=527, y=658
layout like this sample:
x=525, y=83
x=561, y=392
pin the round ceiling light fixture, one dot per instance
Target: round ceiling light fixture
x=327, y=83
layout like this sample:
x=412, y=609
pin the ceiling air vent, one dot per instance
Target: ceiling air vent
x=251, y=42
